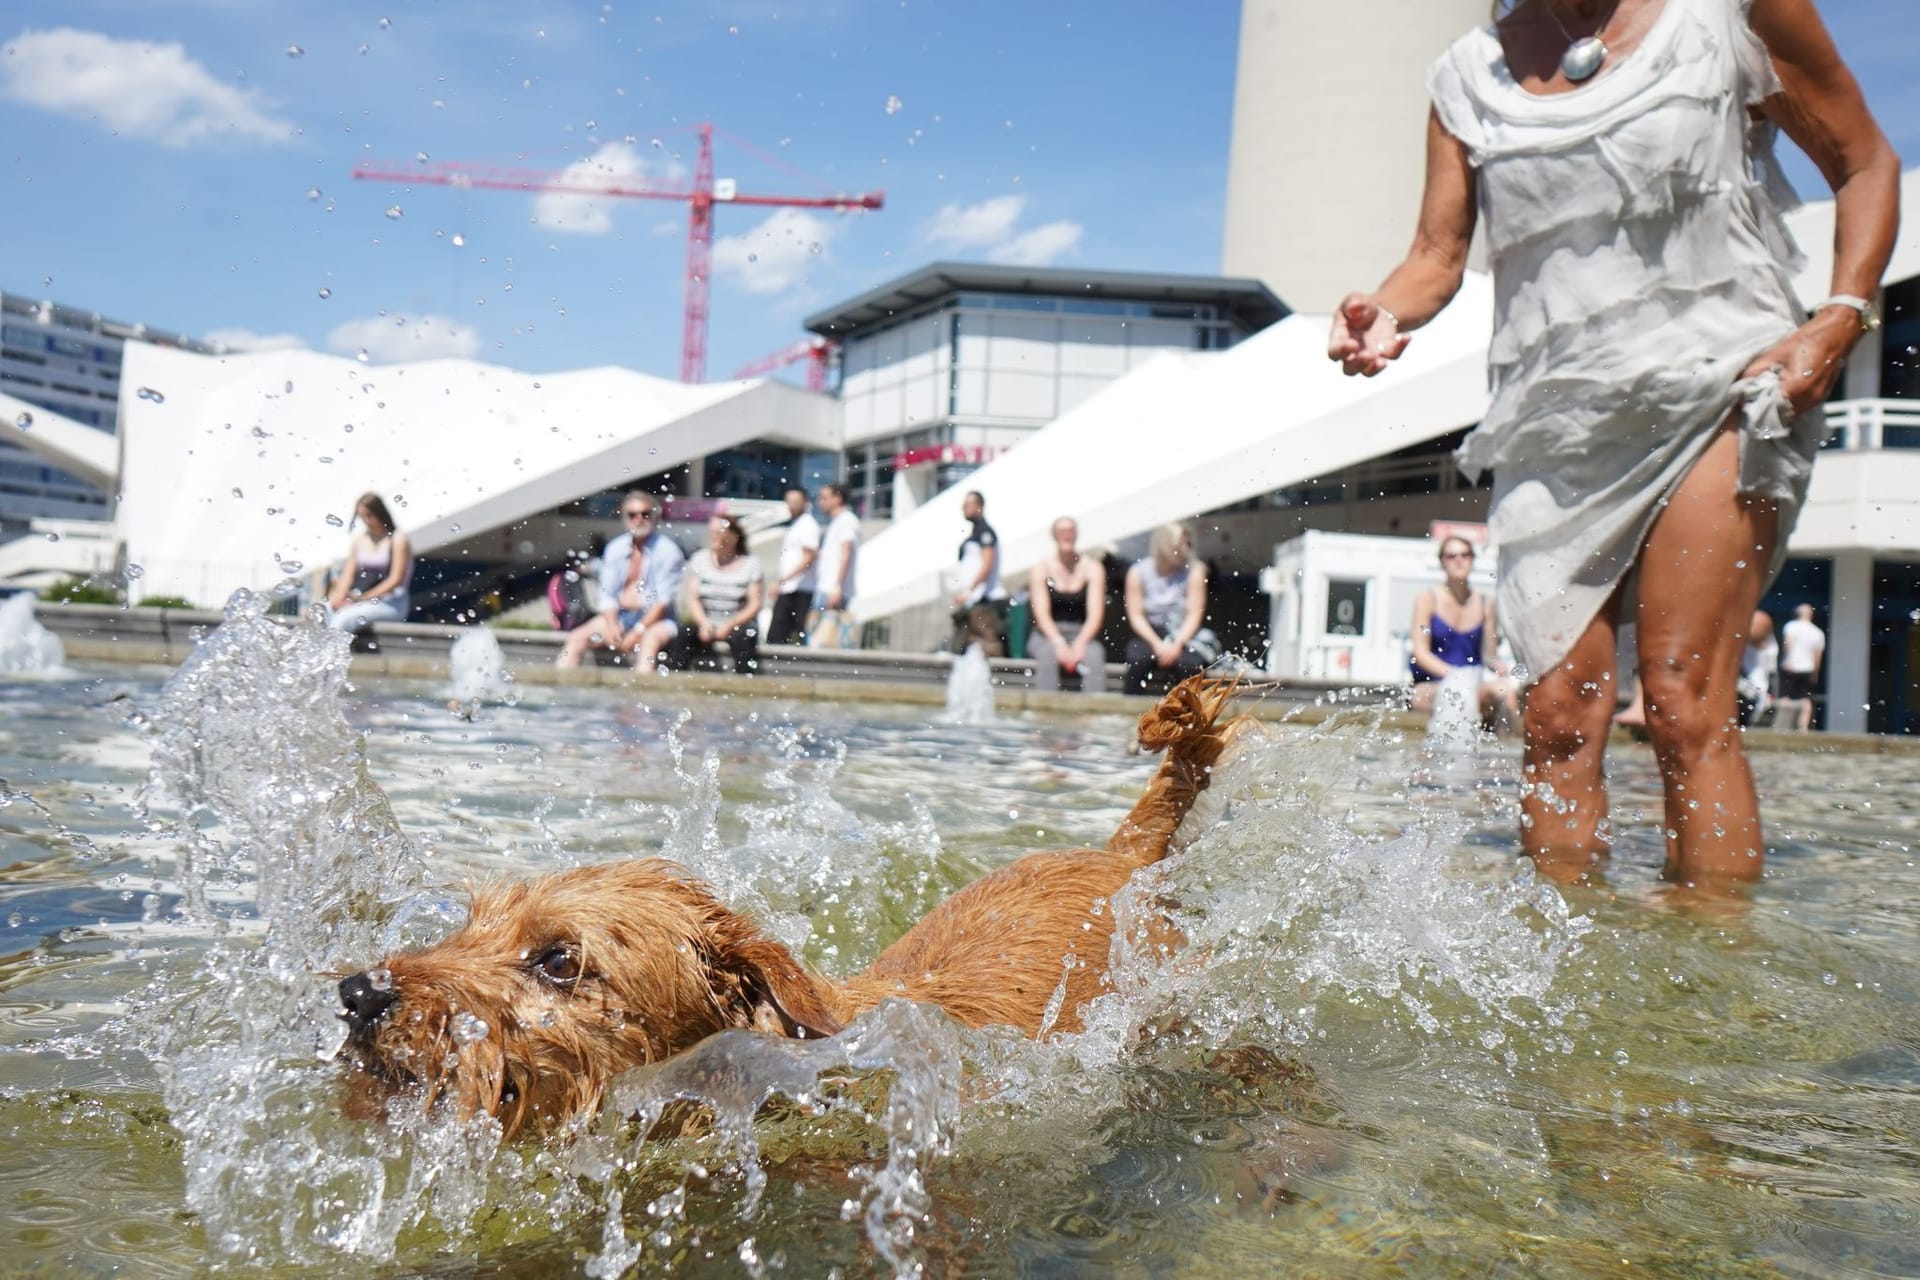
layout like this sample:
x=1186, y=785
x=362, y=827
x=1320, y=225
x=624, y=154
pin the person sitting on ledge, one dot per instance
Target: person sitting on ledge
x=724, y=603
x=639, y=579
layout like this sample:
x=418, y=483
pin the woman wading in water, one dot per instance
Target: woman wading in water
x=1656, y=386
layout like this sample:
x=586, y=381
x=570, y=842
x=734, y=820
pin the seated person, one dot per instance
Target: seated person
x=723, y=602
x=1453, y=626
x=639, y=579
x=1759, y=663
x=372, y=586
x=1068, y=592
x=1166, y=604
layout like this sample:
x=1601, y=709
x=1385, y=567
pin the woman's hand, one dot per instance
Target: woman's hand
x=1366, y=337
x=1811, y=358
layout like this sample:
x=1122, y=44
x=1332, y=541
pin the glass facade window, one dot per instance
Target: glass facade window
x=753, y=470
x=1900, y=342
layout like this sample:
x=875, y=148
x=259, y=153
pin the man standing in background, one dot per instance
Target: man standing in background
x=980, y=605
x=1802, y=646
x=799, y=554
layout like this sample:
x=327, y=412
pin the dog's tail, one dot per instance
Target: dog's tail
x=1186, y=725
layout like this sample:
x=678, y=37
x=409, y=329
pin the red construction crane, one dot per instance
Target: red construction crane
x=700, y=195
x=817, y=352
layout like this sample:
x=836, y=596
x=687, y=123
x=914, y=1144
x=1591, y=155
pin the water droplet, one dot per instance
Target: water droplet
x=134, y=571
x=467, y=1028
x=362, y=356
x=313, y=193
x=453, y=528
x=325, y=292
x=336, y=522
x=656, y=144
x=237, y=493
x=753, y=257
x=380, y=979
x=420, y=156
x=815, y=248
x=395, y=212
x=385, y=23
x=894, y=104
x=289, y=386
x=458, y=240
x=733, y=31
x=148, y=393
x=295, y=51
x=24, y=421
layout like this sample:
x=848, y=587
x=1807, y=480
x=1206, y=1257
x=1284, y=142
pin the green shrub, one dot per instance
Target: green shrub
x=518, y=624
x=81, y=591
x=166, y=602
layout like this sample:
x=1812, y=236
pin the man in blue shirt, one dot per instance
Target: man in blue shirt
x=639, y=583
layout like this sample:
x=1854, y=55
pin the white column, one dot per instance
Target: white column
x=1849, y=641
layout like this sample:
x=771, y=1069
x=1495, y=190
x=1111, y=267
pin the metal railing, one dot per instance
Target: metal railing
x=1874, y=424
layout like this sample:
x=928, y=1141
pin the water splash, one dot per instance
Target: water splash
x=970, y=689
x=26, y=647
x=479, y=671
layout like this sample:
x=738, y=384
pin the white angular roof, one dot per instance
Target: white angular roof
x=236, y=469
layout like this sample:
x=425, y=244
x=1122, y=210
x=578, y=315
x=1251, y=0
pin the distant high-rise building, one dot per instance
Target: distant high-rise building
x=68, y=361
x=1329, y=139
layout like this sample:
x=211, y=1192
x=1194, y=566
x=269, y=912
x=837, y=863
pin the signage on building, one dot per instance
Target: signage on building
x=964, y=454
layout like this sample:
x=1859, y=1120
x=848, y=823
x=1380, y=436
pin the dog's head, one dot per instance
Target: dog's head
x=557, y=985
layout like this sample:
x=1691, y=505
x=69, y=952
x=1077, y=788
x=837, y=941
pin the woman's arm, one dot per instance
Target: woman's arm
x=1042, y=606
x=1370, y=331
x=1096, y=600
x=1137, y=609
x=1823, y=111
x=343, y=577
x=1423, y=655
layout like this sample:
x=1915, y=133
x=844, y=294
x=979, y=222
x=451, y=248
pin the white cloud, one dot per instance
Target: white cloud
x=615, y=164
x=1038, y=246
x=387, y=339
x=974, y=226
x=777, y=254
x=989, y=229
x=248, y=340
x=134, y=88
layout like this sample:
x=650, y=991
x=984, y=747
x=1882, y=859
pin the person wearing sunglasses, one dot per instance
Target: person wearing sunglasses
x=640, y=580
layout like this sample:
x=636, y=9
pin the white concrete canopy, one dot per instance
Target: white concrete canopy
x=76, y=448
x=242, y=469
x=1188, y=433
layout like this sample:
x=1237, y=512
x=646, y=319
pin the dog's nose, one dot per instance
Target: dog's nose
x=363, y=1001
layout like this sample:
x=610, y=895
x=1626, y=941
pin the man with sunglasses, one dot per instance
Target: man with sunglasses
x=640, y=580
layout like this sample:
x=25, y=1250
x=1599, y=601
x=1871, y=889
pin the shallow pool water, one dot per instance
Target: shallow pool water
x=1384, y=1044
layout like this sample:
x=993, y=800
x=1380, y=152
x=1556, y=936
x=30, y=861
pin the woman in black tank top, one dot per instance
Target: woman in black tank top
x=1068, y=592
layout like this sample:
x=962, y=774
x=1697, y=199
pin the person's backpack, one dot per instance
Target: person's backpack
x=567, y=597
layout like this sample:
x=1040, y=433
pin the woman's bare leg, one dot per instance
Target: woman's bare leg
x=1701, y=573
x=1563, y=799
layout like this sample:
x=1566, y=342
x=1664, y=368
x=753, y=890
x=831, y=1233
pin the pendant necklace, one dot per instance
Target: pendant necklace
x=1585, y=55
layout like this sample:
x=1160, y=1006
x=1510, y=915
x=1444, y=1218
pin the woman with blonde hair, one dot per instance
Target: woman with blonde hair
x=1455, y=626
x=1068, y=592
x=372, y=585
x=1166, y=607
x=1656, y=385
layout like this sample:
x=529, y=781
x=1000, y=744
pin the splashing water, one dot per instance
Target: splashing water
x=1454, y=726
x=1301, y=935
x=970, y=689
x=26, y=647
x=479, y=671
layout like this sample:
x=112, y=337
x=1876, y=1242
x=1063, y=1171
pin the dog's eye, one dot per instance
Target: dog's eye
x=558, y=965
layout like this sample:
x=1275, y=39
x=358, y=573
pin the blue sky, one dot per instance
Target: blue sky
x=161, y=160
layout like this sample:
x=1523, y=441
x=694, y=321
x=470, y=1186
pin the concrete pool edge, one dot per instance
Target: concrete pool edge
x=164, y=637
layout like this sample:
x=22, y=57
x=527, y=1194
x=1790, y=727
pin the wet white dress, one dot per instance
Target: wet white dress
x=1639, y=263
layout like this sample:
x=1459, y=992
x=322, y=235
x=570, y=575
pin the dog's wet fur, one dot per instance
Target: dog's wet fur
x=557, y=985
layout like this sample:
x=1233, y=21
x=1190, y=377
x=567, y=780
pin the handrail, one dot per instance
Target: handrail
x=1863, y=424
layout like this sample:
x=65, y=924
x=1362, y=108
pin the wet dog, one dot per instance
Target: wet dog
x=556, y=985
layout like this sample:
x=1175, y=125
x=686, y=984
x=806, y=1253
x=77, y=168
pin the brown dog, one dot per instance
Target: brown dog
x=557, y=985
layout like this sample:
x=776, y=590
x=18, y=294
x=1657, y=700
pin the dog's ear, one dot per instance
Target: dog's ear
x=782, y=998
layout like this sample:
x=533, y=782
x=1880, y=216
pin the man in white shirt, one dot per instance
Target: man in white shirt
x=799, y=571
x=1802, y=646
x=839, y=552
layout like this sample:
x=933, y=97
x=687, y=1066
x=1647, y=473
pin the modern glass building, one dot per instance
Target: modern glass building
x=943, y=369
x=68, y=361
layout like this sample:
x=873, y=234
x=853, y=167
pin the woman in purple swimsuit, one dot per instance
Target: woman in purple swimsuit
x=1453, y=626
